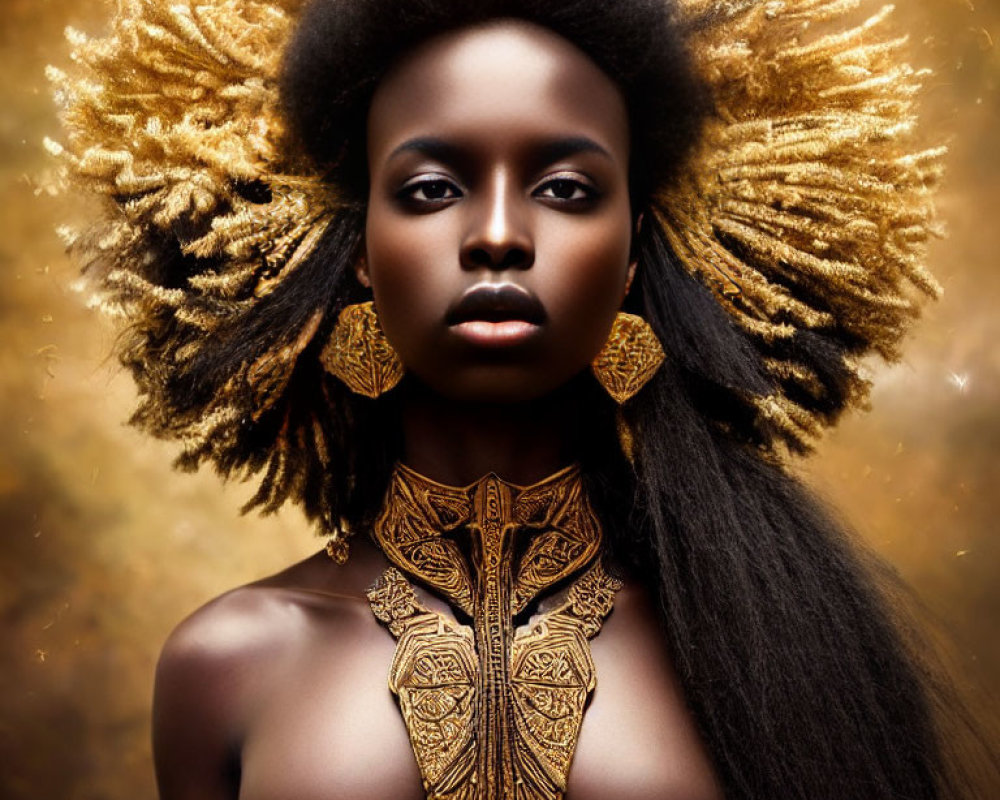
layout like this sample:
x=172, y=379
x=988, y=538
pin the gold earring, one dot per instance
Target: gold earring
x=629, y=358
x=359, y=354
x=338, y=548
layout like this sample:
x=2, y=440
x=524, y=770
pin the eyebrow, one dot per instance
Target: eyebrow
x=548, y=152
x=438, y=149
x=559, y=149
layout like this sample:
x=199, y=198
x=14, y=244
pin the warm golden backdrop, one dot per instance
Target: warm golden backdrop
x=104, y=549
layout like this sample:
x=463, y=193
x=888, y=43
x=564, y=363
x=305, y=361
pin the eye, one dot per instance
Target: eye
x=566, y=190
x=428, y=190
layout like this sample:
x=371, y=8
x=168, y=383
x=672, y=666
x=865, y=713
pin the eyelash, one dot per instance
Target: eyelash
x=586, y=191
x=408, y=193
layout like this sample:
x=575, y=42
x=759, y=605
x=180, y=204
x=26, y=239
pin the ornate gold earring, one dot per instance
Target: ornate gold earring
x=629, y=358
x=359, y=354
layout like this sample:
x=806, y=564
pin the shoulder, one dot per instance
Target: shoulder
x=239, y=630
x=251, y=630
x=223, y=664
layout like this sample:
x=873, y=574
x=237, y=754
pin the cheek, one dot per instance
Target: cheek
x=407, y=272
x=586, y=289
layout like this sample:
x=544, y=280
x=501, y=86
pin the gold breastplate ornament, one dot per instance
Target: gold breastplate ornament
x=493, y=711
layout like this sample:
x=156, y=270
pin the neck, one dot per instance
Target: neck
x=457, y=442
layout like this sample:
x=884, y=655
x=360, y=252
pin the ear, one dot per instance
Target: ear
x=361, y=272
x=629, y=277
x=634, y=262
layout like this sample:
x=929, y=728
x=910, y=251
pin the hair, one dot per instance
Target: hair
x=799, y=682
x=635, y=43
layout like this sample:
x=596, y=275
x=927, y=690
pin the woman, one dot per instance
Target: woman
x=501, y=181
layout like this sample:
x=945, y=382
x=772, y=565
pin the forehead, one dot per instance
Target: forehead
x=498, y=83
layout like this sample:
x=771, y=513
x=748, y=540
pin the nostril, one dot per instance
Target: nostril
x=508, y=258
x=479, y=258
x=515, y=257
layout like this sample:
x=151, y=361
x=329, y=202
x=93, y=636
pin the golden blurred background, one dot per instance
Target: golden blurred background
x=104, y=548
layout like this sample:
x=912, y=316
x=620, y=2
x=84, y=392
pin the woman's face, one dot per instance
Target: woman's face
x=499, y=228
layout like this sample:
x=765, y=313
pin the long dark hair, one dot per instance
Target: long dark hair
x=797, y=678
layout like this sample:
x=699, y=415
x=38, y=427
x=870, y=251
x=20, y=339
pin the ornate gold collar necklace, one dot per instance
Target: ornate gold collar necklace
x=492, y=710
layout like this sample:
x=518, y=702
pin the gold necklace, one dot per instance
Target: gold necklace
x=493, y=711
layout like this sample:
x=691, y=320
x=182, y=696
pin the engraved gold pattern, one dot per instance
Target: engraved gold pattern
x=492, y=712
x=807, y=206
x=629, y=358
x=359, y=354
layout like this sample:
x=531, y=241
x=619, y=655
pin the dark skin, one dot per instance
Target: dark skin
x=277, y=691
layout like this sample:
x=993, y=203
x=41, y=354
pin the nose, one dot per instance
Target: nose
x=499, y=235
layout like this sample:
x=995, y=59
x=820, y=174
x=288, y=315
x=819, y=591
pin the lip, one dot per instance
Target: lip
x=496, y=302
x=496, y=315
x=506, y=333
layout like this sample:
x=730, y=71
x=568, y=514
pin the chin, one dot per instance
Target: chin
x=494, y=385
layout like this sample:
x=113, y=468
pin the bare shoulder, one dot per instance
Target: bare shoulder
x=243, y=630
x=254, y=623
x=221, y=665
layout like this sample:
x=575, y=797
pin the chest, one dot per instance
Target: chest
x=333, y=728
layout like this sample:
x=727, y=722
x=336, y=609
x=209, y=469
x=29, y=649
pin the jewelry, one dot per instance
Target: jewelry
x=338, y=548
x=359, y=354
x=626, y=436
x=629, y=358
x=803, y=210
x=493, y=711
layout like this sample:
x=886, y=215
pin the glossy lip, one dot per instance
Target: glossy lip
x=496, y=315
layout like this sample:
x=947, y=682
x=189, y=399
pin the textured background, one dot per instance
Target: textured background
x=104, y=549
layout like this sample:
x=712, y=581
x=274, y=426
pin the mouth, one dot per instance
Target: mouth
x=497, y=302
x=496, y=315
